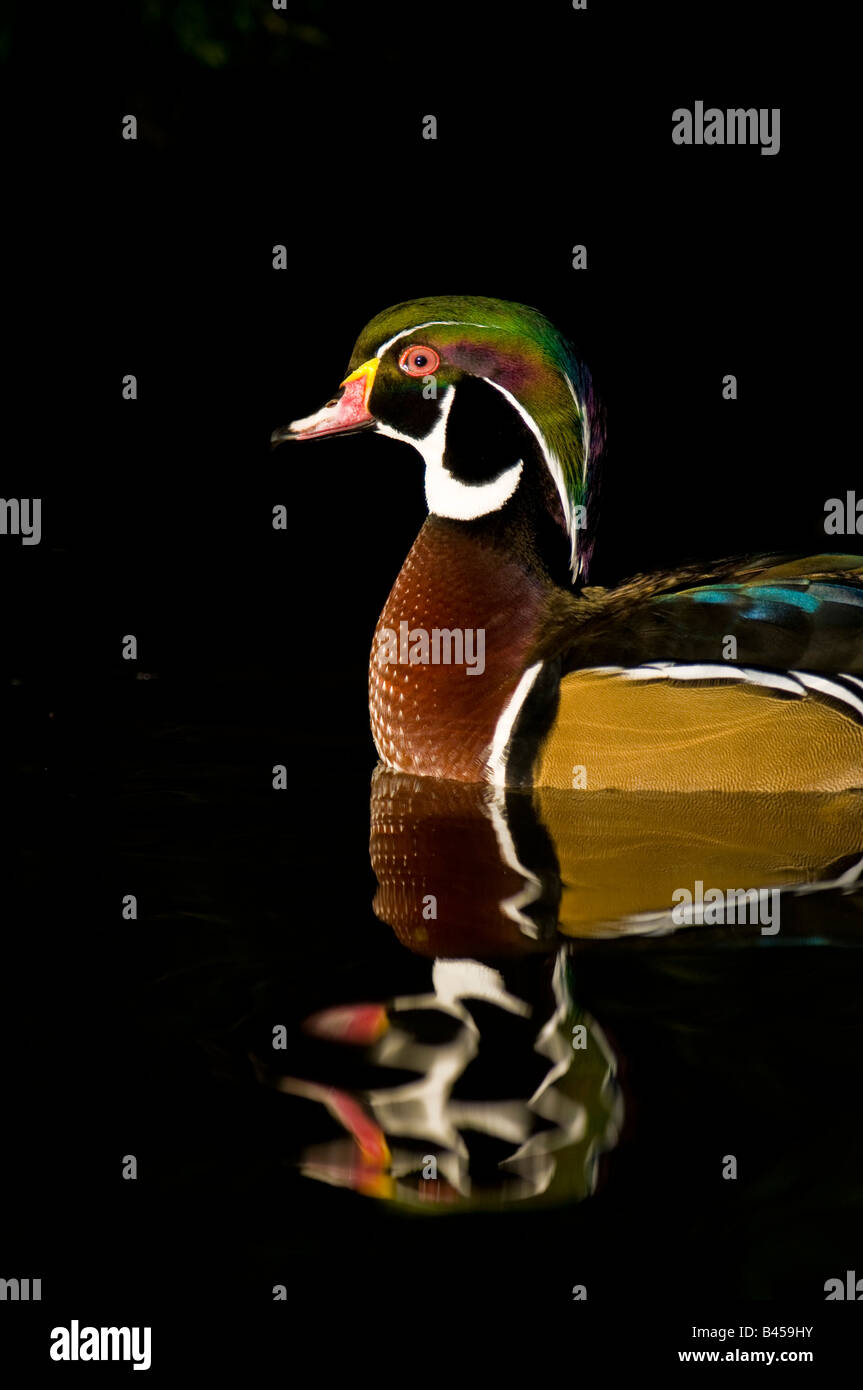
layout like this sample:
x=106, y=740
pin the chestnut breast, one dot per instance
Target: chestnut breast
x=436, y=717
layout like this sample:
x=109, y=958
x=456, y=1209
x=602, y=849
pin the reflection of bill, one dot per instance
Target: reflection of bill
x=499, y=1103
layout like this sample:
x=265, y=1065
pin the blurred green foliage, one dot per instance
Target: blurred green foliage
x=222, y=32
x=215, y=33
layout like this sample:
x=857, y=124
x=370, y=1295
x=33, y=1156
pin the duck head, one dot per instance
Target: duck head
x=493, y=398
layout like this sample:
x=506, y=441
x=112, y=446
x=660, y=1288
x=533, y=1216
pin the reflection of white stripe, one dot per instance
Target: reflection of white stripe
x=496, y=767
x=851, y=874
x=454, y=980
x=662, y=923
x=428, y=324
x=512, y=907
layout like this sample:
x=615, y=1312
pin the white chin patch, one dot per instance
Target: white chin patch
x=446, y=495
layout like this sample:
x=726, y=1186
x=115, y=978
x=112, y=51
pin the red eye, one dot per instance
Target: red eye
x=418, y=360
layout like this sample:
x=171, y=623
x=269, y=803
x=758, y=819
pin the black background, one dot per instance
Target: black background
x=155, y=257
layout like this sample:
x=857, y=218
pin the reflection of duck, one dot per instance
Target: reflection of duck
x=470, y=870
x=481, y=1091
x=736, y=677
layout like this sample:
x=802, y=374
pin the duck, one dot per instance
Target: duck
x=496, y=661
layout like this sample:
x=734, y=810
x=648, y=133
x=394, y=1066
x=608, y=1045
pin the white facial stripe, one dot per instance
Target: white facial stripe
x=446, y=495
x=585, y=427
x=552, y=463
x=429, y=323
x=551, y=459
x=432, y=446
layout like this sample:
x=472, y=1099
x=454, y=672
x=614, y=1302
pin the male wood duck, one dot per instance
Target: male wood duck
x=495, y=660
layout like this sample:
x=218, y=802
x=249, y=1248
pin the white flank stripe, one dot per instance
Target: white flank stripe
x=828, y=687
x=795, y=682
x=704, y=671
x=496, y=768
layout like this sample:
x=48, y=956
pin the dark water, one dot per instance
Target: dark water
x=598, y=1165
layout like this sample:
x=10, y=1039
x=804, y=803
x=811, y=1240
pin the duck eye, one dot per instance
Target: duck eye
x=418, y=360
